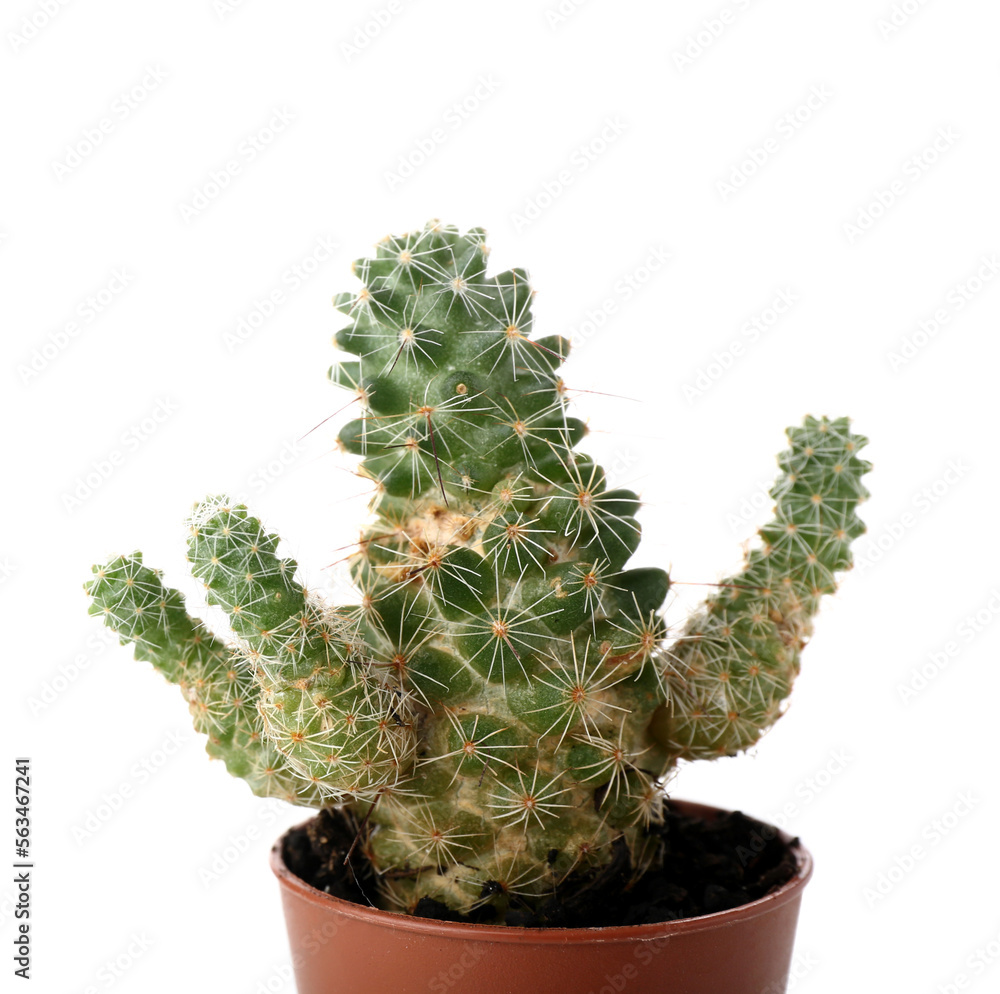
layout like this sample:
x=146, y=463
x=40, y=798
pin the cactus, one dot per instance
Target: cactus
x=505, y=702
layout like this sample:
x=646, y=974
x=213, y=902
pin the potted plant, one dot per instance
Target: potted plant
x=489, y=730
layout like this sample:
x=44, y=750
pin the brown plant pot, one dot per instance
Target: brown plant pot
x=344, y=948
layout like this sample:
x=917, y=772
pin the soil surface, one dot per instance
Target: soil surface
x=702, y=866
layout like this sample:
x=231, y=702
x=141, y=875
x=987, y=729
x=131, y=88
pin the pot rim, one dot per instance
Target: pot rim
x=468, y=931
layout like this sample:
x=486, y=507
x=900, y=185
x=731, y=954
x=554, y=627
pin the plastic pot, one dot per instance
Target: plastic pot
x=344, y=948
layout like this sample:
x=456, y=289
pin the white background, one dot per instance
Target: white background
x=860, y=773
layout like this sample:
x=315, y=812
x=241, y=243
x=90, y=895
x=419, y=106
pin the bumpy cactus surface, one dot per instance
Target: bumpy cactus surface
x=504, y=703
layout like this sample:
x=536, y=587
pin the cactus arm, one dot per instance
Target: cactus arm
x=338, y=726
x=731, y=671
x=220, y=691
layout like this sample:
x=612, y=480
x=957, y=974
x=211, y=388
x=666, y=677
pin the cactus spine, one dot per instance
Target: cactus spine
x=503, y=704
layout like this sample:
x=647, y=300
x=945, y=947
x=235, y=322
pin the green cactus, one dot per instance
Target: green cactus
x=505, y=702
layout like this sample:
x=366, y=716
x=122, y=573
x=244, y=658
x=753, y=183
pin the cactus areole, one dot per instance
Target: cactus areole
x=505, y=701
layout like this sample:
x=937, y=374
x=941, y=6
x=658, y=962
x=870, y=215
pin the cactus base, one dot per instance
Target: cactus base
x=696, y=866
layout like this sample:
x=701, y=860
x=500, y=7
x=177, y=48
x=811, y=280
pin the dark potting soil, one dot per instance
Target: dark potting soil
x=701, y=866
